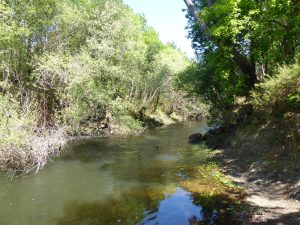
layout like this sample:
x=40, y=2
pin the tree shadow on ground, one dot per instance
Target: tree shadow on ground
x=258, y=156
x=268, y=170
x=288, y=219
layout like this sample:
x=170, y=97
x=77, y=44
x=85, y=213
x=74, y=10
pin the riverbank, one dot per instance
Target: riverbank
x=266, y=167
x=34, y=152
x=31, y=152
x=131, y=180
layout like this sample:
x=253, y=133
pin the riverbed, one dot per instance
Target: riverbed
x=133, y=180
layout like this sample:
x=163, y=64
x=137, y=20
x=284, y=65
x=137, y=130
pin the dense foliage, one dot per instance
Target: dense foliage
x=279, y=95
x=89, y=66
x=239, y=43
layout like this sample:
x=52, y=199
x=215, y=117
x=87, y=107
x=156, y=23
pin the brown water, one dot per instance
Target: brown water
x=133, y=180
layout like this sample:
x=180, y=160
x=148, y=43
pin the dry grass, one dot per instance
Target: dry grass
x=34, y=153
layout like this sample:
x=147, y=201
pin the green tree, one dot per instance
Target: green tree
x=238, y=43
x=79, y=67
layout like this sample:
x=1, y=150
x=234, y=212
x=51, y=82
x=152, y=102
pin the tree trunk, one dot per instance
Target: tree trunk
x=246, y=66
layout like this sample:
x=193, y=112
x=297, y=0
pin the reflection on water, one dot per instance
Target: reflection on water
x=141, y=207
x=112, y=181
x=128, y=208
x=177, y=208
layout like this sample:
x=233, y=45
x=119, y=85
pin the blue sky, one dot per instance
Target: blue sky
x=167, y=18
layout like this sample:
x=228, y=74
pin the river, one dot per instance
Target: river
x=133, y=180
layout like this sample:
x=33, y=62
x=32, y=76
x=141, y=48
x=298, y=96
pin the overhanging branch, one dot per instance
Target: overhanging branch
x=239, y=59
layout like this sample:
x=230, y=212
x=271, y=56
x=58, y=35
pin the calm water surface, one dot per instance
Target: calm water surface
x=111, y=181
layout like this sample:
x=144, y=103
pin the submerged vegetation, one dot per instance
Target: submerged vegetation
x=247, y=70
x=74, y=68
x=95, y=68
x=172, y=184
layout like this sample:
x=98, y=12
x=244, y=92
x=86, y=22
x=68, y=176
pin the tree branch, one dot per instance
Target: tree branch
x=239, y=59
x=192, y=9
x=280, y=24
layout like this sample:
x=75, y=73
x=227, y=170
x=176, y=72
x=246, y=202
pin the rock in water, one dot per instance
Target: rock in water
x=196, y=138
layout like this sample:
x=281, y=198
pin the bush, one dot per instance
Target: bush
x=15, y=124
x=24, y=146
x=279, y=95
x=122, y=122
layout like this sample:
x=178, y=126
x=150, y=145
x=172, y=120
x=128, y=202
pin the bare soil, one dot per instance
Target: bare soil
x=270, y=175
x=270, y=200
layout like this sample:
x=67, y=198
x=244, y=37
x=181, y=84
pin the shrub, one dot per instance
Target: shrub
x=280, y=94
x=15, y=124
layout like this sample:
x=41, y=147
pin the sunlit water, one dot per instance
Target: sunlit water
x=111, y=181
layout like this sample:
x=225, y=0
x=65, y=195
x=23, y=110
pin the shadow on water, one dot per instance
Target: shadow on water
x=157, y=159
x=127, y=208
x=142, y=161
x=150, y=179
x=146, y=206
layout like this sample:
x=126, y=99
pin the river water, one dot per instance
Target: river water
x=105, y=181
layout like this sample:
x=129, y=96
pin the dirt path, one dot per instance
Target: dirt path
x=267, y=193
x=266, y=165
